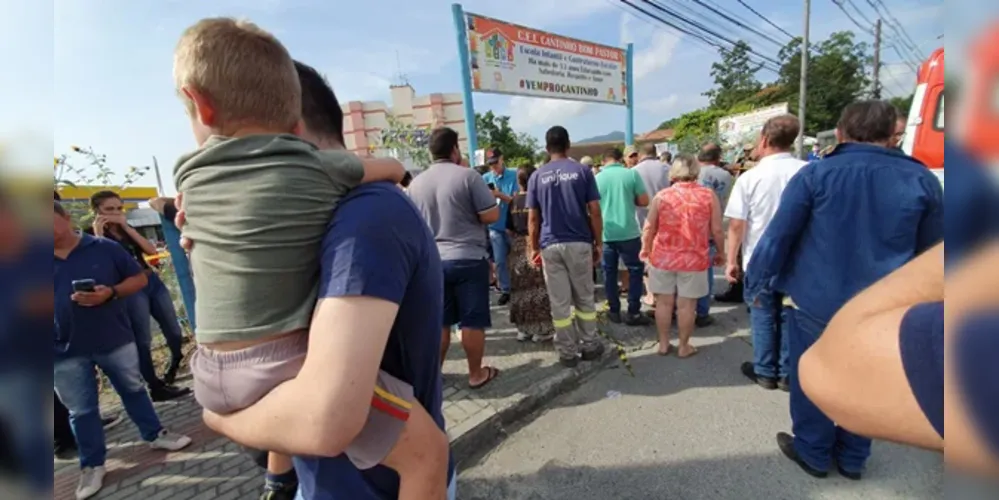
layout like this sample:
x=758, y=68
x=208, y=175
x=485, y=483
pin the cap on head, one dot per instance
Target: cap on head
x=630, y=151
x=748, y=146
x=492, y=156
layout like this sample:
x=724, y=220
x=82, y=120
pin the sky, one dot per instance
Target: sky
x=112, y=64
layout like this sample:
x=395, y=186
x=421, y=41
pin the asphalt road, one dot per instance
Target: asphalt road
x=681, y=429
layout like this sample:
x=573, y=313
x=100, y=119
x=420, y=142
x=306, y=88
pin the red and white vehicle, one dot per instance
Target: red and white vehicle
x=924, y=133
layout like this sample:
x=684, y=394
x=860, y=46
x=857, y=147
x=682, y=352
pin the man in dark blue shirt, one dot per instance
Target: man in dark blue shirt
x=381, y=306
x=92, y=330
x=843, y=223
x=565, y=230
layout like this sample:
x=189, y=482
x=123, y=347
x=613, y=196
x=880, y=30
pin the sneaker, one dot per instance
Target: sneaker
x=112, y=421
x=504, y=299
x=279, y=494
x=171, y=372
x=541, y=339
x=703, y=321
x=169, y=441
x=91, y=481
x=523, y=336
x=594, y=353
x=638, y=320
x=168, y=393
x=65, y=451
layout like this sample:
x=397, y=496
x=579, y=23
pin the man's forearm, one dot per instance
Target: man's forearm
x=289, y=420
x=736, y=235
x=533, y=230
x=131, y=286
x=597, y=226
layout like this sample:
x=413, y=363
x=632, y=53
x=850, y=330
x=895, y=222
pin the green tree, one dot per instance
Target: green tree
x=837, y=76
x=495, y=131
x=85, y=167
x=902, y=103
x=407, y=142
x=735, y=77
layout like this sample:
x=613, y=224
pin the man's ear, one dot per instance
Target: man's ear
x=204, y=111
x=299, y=128
x=839, y=136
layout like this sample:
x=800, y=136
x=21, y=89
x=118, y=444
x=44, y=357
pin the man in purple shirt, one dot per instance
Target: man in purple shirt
x=564, y=235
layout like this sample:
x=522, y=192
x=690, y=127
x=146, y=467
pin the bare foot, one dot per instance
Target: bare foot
x=686, y=351
x=665, y=351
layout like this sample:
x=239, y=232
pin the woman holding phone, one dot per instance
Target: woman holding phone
x=154, y=300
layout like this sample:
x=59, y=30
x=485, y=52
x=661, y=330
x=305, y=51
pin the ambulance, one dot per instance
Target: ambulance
x=924, y=132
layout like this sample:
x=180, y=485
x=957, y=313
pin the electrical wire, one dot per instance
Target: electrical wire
x=705, y=29
x=766, y=19
x=861, y=27
x=695, y=35
x=739, y=23
x=897, y=28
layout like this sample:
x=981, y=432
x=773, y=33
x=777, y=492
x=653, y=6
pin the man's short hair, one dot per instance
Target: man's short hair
x=321, y=110
x=781, y=131
x=649, y=150
x=710, y=153
x=59, y=210
x=245, y=71
x=557, y=140
x=869, y=121
x=443, y=141
x=666, y=157
x=614, y=154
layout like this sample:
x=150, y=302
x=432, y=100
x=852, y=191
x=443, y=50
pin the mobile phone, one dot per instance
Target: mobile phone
x=86, y=285
x=492, y=186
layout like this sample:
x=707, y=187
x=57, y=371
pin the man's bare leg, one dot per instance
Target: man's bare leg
x=686, y=311
x=664, y=321
x=474, y=342
x=420, y=456
x=445, y=343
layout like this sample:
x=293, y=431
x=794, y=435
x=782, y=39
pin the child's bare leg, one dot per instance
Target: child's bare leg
x=281, y=475
x=420, y=456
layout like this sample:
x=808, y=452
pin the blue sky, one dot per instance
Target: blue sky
x=112, y=60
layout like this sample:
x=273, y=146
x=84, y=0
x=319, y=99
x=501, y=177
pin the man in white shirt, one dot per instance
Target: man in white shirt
x=750, y=208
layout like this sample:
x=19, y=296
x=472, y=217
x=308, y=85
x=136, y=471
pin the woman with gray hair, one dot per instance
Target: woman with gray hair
x=683, y=219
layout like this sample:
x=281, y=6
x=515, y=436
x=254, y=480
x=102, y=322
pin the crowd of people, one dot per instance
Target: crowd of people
x=339, y=377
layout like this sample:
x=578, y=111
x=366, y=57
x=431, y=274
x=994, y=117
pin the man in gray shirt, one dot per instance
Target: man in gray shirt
x=655, y=176
x=458, y=205
x=720, y=181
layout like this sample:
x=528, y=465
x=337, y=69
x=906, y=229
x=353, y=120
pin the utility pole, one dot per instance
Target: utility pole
x=877, y=60
x=803, y=87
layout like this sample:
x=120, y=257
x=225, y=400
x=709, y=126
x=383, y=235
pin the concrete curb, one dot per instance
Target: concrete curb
x=472, y=442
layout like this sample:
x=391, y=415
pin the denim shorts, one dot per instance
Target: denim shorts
x=466, y=293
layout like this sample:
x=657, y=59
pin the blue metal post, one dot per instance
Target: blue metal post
x=629, y=127
x=466, y=79
x=181, y=266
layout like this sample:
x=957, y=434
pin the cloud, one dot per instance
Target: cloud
x=657, y=55
x=661, y=105
x=527, y=113
x=897, y=80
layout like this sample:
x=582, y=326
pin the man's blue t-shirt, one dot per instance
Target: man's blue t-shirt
x=378, y=245
x=976, y=346
x=560, y=190
x=506, y=183
x=84, y=331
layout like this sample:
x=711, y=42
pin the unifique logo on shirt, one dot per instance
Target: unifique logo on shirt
x=558, y=176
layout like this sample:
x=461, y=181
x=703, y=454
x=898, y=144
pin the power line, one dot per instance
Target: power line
x=861, y=27
x=860, y=12
x=766, y=19
x=739, y=23
x=704, y=28
x=896, y=26
x=712, y=42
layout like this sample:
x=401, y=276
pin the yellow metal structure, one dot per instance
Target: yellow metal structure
x=131, y=196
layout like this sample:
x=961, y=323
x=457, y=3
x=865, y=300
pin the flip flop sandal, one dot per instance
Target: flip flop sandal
x=667, y=352
x=493, y=373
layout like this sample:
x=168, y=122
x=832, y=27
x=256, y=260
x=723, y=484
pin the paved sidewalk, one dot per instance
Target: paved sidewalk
x=214, y=468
